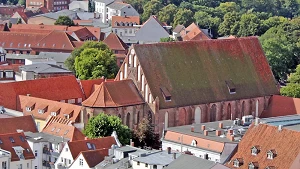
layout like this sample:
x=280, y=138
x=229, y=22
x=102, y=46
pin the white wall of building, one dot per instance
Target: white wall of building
x=80, y=163
x=136, y=165
x=65, y=158
x=4, y=158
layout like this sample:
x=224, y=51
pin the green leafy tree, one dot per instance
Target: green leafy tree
x=227, y=26
x=94, y=63
x=228, y=7
x=144, y=135
x=103, y=125
x=151, y=8
x=186, y=5
x=167, y=14
x=249, y=25
x=64, y=20
x=293, y=87
x=183, y=17
x=91, y=6
x=19, y=21
x=205, y=20
x=167, y=39
x=22, y=2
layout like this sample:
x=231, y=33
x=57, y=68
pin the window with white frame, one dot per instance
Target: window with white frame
x=81, y=162
x=146, y=93
x=143, y=83
x=134, y=61
x=139, y=73
x=71, y=101
x=28, y=108
x=125, y=71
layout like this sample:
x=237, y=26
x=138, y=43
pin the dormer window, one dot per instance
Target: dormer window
x=237, y=162
x=271, y=154
x=231, y=87
x=41, y=111
x=53, y=113
x=166, y=94
x=253, y=165
x=28, y=108
x=254, y=150
x=116, y=23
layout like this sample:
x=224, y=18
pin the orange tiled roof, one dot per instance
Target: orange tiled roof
x=56, y=88
x=100, y=143
x=281, y=106
x=94, y=157
x=268, y=138
x=64, y=130
x=14, y=140
x=88, y=86
x=114, y=42
x=61, y=109
x=55, y=119
x=11, y=125
x=128, y=19
x=96, y=31
x=194, y=33
x=83, y=34
x=108, y=95
x=201, y=143
x=31, y=27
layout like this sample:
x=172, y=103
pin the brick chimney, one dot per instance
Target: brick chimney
x=192, y=129
x=205, y=132
x=231, y=137
x=203, y=127
x=218, y=132
x=220, y=125
x=86, y=138
x=230, y=131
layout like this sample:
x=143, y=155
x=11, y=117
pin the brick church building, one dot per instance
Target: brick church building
x=198, y=81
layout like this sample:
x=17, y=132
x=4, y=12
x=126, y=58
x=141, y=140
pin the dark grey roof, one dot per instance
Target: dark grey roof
x=85, y=15
x=57, y=56
x=190, y=162
x=157, y=158
x=43, y=137
x=117, y=5
x=55, y=15
x=43, y=68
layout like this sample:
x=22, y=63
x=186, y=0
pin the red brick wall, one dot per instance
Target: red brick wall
x=10, y=10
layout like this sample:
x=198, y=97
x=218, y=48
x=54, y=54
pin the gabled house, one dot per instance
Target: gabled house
x=15, y=124
x=89, y=159
x=193, y=32
x=73, y=150
x=63, y=130
x=41, y=109
x=89, y=86
x=106, y=98
x=15, y=151
x=63, y=89
x=51, y=17
x=151, y=31
x=214, y=80
x=120, y=49
x=125, y=27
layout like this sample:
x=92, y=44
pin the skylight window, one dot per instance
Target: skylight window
x=11, y=139
x=53, y=129
x=57, y=130
x=22, y=139
x=1, y=141
x=89, y=145
x=66, y=132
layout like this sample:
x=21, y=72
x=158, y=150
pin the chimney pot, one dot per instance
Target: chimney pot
x=86, y=138
x=169, y=150
x=218, y=132
x=231, y=138
x=203, y=127
x=280, y=127
x=230, y=131
x=192, y=129
x=257, y=121
x=205, y=132
x=220, y=125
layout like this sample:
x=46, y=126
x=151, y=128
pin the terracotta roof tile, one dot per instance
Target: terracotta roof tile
x=129, y=19
x=84, y=34
x=281, y=106
x=99, y=143
x=55, y=119
x=285, y=143
x=57, y=89
x=14, y=140
x=88, y=86
x=208, y=64
x=194, y=33
x=96, y=31
x=11, y=125
x=64, y=130
x=108, y=95
x=31, y=27
x=114, y=42
x=62, y=109
x=94, y=157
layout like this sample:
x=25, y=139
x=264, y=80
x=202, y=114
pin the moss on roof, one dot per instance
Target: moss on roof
x=195, y=72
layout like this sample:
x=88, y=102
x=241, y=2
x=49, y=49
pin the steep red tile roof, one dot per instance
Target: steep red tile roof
x=88, y=86
x=4, y=27
x=84, y=34
x=19, y=139
x=62, y=109
x=64, y=130
x=94, y=157
x=100, y=143
x=20, y=41
x=128, y=19
x=55, y=119
x=11, y=125
x=96, y=31
x=56, y=88
x=208, y=64
x=285, y=143
x=50, y=42
x=41, y=28
x=114, y=94
x=281, y=106
x=114, y=42
x=194, y=33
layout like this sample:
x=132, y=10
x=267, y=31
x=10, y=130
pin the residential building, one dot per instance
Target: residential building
x=17, y=124
x=63, y=89
x=72, y=150
x=9, y=10
x=89, y=159
x=221, y=83
x=51, y=5
x=7, y=72
x=82, y=33
x=50, y=18
x=213, y=141
x=129, y=105
x=79, y=6
x=119, y=48
x=109, y=8
x=15, y=151
x=192, y=162
x=151, y=31
x=25, y=15
x=40, y=70
x=63, y=130
x=272, y=143
x=193, y=32
x=125, y=27
x=46, y=148
x=41, y=109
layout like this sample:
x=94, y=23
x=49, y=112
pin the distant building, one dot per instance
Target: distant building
x=17, y=124
x=9, y=10
x=79, y=6
x=50, y=5
x=109, y=8
x=50, y=18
